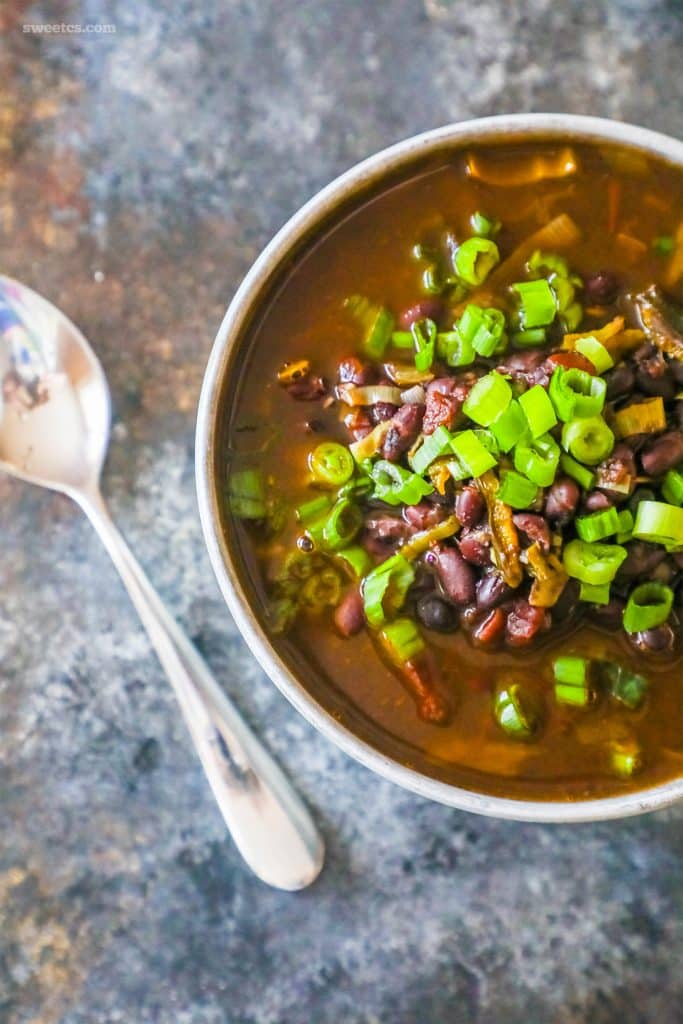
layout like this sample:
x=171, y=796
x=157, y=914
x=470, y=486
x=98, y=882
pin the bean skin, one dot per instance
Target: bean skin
x=562, y=500
x=620, y=382
x=456, y=576
x=492, y=590
x=349, y=617
x=600, y=289
x=475, y=546
x=490, y=630
x=662, y=454
x=470, y=506
x=654, y=641
x=437, y=614
x=609, y=616
x=596, y=501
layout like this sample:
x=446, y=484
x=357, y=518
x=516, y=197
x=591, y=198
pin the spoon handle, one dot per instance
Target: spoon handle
x=269, y=823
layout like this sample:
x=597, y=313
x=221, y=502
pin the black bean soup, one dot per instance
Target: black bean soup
x=453, y=469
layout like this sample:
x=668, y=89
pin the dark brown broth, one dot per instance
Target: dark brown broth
x=369, y=252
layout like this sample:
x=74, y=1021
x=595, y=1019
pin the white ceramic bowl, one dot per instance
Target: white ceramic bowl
x=288, y=241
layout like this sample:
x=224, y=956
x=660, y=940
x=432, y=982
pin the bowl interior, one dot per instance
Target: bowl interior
x=310, y=691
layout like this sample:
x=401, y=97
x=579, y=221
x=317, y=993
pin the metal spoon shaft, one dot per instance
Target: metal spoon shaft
x=270, y=825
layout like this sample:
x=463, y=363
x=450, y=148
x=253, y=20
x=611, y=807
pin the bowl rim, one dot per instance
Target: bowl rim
x=294, y=232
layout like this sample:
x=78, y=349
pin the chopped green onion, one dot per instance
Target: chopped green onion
x=484, y=226
x=537, y=458
x=626, y=759
x=648, y=606
x=569, y=668
x=342, y=524
x=589, y=440
x=538, y=305
x=584, y=477
x=538, y=410
x=664, y=245
x=402, y=641
x=471, y=453
x=595, y=593
x=331, y=464
x=509, y=426
x=433, y=446
x=489, y=396
x=355, y=559
x=598, y=525
x=514, y=712
x=396, y=485
x=246, y=494
x=385, y=588
x=546, y=263
x=376, y=321
x=475, y=259
x=572, y=680
x=402, y=339
x=625, y=686
x=531, y=338
x=577, y=394
x=625, y=531
x=659, y=523
x=592, y=563
x=595, y=351
x=672, y=487
x=314, y=509
x=515, y=490
x=479, y=330
x=424, y=335
x=454, y=349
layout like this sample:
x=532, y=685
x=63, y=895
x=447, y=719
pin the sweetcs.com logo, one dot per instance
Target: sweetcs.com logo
x=62, y=28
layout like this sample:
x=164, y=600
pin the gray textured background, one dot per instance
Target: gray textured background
x=140, y=173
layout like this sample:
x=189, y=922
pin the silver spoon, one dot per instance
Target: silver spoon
x=54, y=431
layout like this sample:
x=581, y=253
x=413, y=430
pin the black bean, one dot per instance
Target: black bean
x=596, y=501
x=609, y=615
x=620, y=382
x=352, y=371
x=642, y=559
x=662, y=454
x=676, y=367
x=469, y=506
x=435, y=613
x=567, y=604
x=561, y=500
x=654, y=641
x=492, y=590
x=654, y=377
x=600, y=289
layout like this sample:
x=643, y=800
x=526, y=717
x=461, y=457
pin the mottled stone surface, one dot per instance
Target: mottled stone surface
x=140, y=173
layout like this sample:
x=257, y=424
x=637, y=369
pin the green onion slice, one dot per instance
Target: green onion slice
x=538, y=304
x=672, y=487
x=433, y=446
x=509, y=426
x=424, y=336
x=484, y=226
x=594, y=351
x=598, y=525
x=385, y=588
x=530, y=338
x=659, y=523
x=489, y=397
x=396, y=485
x=538, y=410
x=515, y=490
x=376, y=321
x=537, y=458
x=514, y=712
x=475, y=259
x=627, y=687
x=593, y=563
x=246, y=494
x=342, y=524
x=471, y=453
x=576, y=394
x=589, y=440
x=648, y=606
x=585, y=478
